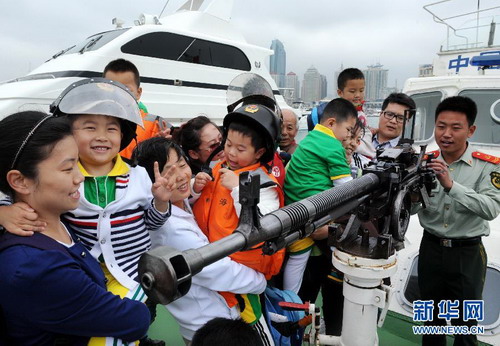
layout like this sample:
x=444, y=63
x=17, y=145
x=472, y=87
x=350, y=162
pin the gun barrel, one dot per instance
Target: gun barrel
x=165, y=273
x=296, y=215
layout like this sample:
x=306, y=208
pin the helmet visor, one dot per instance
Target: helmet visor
x=250, y=88
x=102, y=98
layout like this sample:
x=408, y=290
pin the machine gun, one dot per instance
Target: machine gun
x=402, y=174
x=382, y=197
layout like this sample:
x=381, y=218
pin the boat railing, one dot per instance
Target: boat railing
x=479, y=31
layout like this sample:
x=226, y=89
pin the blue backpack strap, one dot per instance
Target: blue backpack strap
x=272, y=298
x=312, y=119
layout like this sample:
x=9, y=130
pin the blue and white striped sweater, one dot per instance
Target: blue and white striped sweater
x=119, y=232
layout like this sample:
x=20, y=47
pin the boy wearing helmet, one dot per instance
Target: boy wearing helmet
x=118, y=204
x=250, y=134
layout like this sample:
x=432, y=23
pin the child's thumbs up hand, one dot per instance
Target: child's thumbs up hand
x=228, y=178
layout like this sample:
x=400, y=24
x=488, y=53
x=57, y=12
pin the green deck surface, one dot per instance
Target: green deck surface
x=396, y=331
x=165, y=328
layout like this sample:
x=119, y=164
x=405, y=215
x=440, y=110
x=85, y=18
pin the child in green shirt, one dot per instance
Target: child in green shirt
x=318, y=164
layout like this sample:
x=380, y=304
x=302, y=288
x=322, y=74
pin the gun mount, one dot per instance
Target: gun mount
x=376, y=228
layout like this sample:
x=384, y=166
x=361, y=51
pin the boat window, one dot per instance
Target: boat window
x=166, y=45
x=490, y=297
x=93, y=42
x=490, y=293
x=488, y=115
x=424, y=118
x=412, y=292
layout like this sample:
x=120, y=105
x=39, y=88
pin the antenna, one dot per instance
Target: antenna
x=491, y=36
x=163, y=9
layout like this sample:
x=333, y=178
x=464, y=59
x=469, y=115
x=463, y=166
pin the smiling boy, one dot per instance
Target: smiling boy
x=250, y=136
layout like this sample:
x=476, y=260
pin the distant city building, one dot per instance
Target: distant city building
x=311, y=85
x=324, y=86
x=276, y=78
x=336, y=77
x=277, y=64
x=425, y=70
x=388, y=91
x=292, y=83
x=375, y=82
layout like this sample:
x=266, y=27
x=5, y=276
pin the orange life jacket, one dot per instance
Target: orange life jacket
x=214, y=211
x=150, y=130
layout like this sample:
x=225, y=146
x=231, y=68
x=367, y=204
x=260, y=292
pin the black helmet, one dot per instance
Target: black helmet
x=262, y=120
x=104, y=97
x=251, y=88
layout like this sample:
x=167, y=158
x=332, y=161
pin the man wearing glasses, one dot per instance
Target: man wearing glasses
x=390, y=124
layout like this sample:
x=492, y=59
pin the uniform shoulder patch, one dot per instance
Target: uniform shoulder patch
x=435, y=153
x=495, y=179
x=486, y=157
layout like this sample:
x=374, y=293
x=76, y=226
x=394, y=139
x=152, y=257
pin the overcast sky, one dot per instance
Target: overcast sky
x=399, y=34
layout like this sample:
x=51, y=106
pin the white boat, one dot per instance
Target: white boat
x=454, y=73
x=186, y=61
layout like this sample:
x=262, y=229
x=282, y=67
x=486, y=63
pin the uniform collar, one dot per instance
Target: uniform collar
x=325, y=130
x=120, y=168
x=466, y=156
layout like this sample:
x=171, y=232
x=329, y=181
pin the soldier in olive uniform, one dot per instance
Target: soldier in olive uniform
x=452, y=258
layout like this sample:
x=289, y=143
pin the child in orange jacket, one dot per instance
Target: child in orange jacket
x=250, y=134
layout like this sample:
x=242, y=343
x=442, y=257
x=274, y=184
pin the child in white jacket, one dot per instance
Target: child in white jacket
x=203, y=302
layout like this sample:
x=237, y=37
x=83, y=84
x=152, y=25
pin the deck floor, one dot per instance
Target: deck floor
x=395, y=332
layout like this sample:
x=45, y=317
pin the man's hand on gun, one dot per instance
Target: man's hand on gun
x=442, y=173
